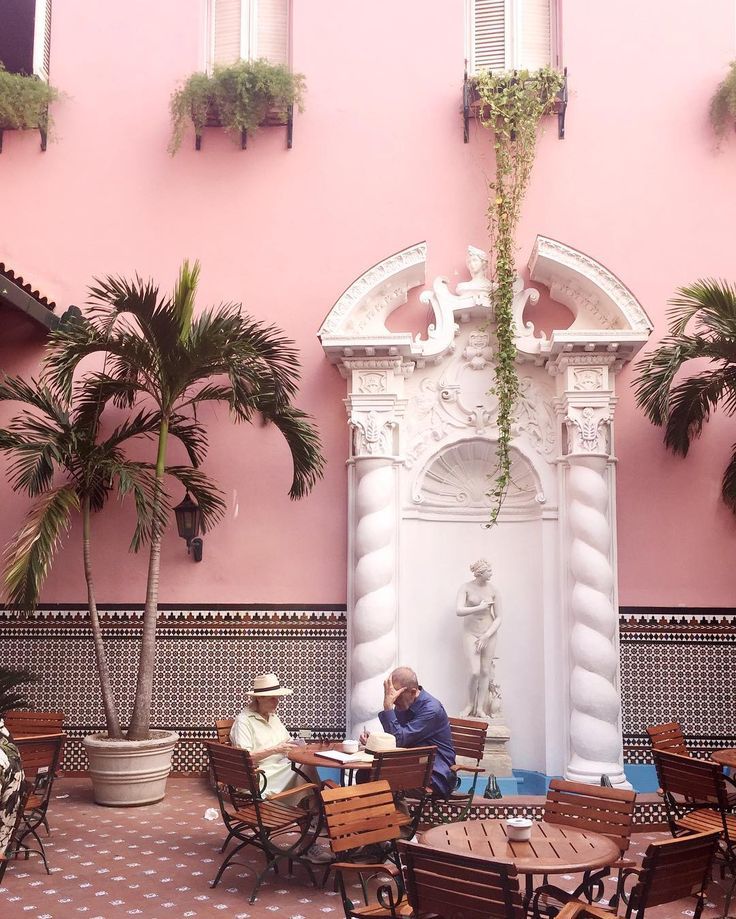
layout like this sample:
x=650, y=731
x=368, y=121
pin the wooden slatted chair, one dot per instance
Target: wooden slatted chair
x=447, y=884
x=362, y=819
x=257, y=821
x=669, y=737
x=696, y=801
x=32, y=724
x=672, y=870
x=468, y=739
x=608, y=811
x=223, y=727
x=409, y=773
x=40, y=757
x=12, y=846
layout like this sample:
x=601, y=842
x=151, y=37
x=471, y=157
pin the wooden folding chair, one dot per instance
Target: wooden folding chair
x=361, y=820
x=696, y=801
x=409, y=773
x=608, y=811
x=468, y=739
x=673, y=870
x=32, y=724
x=448, y=884
x=669, y=737
x=40, y=757
x=258, y=821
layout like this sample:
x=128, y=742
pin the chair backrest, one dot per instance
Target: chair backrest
x=40, y=757
x=404, y=770
x=223, y=726
x=673, y=869
x=609, y=811
x=233, y=768
x=698, y=780
x=668, y=737
x=24, y=724
x=468, y=737
x=360, y=815
x=447, y=884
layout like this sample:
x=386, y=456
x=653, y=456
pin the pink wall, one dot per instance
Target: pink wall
x=378, y=163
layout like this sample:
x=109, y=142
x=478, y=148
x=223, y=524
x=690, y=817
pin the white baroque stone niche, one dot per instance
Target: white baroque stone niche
x=423, y=435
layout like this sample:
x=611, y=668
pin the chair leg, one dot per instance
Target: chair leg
x=227, y=861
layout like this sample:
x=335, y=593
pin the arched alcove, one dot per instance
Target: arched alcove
x=422, y=419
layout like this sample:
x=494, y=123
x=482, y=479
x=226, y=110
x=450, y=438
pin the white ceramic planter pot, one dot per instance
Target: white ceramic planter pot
x=128, y=773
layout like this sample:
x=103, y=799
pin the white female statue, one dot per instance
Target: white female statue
x=478, y=603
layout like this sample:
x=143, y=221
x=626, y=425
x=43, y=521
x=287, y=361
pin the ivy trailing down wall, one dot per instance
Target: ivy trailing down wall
x=510, y=105
x=723, y=104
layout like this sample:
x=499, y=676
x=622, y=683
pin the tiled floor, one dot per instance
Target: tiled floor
x=158, y=862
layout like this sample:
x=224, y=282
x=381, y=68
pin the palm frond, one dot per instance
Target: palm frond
x=728, y=483
x=657, y=371
x=184, y=292
x=192, y=435
x=304, y=444
x=691, y=402
x=206, y=494
x=36, y=395
x=11, y=697
x=152, y=504
x=31, y=552
x=712, y=302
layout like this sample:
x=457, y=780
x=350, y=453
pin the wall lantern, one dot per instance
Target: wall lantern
x=188, y=520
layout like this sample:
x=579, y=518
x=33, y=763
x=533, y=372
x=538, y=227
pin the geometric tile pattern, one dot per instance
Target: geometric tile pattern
x=677, y=666
x=206, y=660
x=158, y=861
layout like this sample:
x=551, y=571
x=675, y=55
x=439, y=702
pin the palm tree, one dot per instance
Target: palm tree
x=58, y=459
x=702, y=324
x=11, y=695
x=159, y=353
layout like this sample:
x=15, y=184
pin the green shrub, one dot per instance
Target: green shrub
x=24, y=101
x=723, y=103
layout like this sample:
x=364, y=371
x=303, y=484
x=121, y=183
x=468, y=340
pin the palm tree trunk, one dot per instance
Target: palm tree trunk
x=108, y=701
x=140, y=722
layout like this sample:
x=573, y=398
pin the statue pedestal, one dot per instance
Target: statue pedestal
x=496, y=759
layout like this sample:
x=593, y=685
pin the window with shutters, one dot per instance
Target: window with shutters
x=512, y=34
x=25, y=36
x=248, y=29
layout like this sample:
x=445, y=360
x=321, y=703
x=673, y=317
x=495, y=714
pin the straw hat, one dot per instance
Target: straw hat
x=379, y=742
x=267, y=684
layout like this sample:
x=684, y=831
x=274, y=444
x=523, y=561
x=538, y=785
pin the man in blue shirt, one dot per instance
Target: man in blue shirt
x=417, y=719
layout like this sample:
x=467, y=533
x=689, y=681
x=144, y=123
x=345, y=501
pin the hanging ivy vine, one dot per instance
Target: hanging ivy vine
x=511, y=106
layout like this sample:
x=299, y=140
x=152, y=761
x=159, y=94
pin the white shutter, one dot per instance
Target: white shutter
x=489, y=35
x=273, y=31
x=535, y=34
x=226, y=15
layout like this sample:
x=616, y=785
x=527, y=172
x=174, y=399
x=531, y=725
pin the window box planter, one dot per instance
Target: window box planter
x=24, y=104
x=240, y=98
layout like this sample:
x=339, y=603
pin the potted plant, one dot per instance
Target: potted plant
x=24, y=104
x=239, y=98
x=164, y=363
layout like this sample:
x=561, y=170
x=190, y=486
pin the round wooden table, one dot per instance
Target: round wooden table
x=552, y=849
x=308, y=756
x=725, y=757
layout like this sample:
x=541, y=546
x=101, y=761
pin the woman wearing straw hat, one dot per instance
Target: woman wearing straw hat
x=260, y=731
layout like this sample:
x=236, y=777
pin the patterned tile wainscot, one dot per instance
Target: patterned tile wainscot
x=206, y=659
x=678, y=665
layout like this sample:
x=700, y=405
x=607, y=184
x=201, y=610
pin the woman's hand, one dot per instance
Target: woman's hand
x=284, y=747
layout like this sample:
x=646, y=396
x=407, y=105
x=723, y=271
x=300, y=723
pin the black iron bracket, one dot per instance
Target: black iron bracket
x=269, y=122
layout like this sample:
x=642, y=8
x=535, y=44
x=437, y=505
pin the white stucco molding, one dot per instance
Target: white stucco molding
x=607, y=316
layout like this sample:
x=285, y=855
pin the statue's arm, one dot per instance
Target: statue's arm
x=462, y=609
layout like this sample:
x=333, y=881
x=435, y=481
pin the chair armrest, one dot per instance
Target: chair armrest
x=577, y=908
x=328, y=783
x=389, y=869
x=300, y=789
x=476, y=769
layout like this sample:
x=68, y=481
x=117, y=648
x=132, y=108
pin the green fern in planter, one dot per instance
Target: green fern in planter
x=24, y=101
x=723, y=103
x=238, y=98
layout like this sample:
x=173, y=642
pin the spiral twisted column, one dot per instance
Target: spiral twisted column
x=595, y=734
x=374, y=594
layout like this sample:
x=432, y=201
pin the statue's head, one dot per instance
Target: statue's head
x=481, y=568
x=477, y=259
